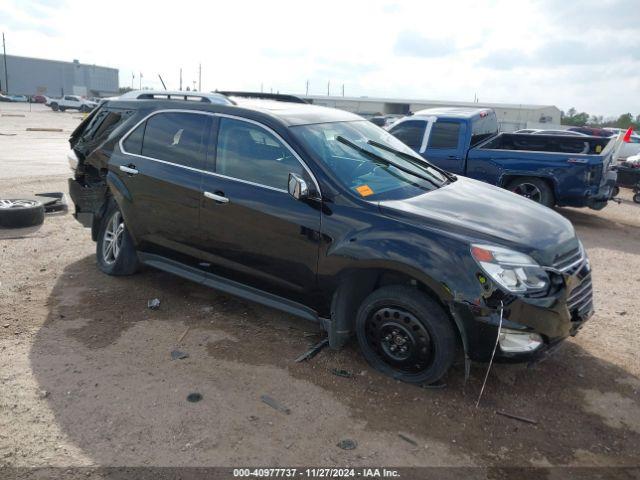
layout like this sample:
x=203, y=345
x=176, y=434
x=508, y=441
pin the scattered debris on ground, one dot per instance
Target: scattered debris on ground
x=408, y=439
x=178, y=355
x=153, y=304
x=347, y=444
x=339, y=372
x=184, y=334
x=273, y=403
x=313, y=351
x=194, y=397
x=517, y=417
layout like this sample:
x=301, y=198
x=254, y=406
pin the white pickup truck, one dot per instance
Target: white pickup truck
x=71, y=102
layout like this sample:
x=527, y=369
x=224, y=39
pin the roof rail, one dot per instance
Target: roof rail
x=264, y=96
x=177, y=95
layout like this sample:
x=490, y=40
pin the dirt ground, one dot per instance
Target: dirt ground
x=87, y=377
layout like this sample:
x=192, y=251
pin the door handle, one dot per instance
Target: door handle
x=130, y=169
x=453, y=157
x=217, y=198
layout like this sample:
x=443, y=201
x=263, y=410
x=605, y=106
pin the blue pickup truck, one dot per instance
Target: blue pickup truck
x=549, y=169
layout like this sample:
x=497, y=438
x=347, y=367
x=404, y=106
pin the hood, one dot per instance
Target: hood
x=482, y=212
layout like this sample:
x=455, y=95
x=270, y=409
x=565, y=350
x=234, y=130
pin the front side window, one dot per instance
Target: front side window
x=444, y=135
x=361, y=157
x=249, y=152
x=175, y=137
x=410, y=132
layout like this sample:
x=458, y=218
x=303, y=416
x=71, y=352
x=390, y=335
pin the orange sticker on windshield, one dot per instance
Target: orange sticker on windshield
x=364, y=190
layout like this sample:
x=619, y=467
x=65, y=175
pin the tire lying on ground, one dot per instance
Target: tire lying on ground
x=20, y=213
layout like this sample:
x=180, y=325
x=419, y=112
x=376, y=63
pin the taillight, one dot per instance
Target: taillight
x=593, y=175
x=627, y=135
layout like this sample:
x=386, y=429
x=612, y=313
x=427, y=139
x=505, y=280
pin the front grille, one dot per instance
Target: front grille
x=570, y=262
x=580, y=301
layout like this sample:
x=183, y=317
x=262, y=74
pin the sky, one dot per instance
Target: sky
x=569, y=53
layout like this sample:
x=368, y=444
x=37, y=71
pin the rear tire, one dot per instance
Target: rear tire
x=115, y=250
x=615, y=192
x=534, y=189
x=84, y=109
x=405, y=334
x=636, y=198
x=55, y=107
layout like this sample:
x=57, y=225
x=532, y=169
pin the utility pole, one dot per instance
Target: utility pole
x=6, y=74
x=328, y=87
x=180, y=79
x=133, y=77
x=261, y=87
x=199, y=77
x=307, y=89
x=140, y=80
x=343, y=89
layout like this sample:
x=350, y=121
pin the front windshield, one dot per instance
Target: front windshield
x=349, y=150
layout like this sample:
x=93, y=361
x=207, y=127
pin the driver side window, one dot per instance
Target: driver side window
x=249, y=152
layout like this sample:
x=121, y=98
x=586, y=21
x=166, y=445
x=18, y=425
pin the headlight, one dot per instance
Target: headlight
x=514, y=271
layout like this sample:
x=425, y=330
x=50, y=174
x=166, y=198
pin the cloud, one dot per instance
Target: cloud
x=585, y=15
x=413, y=44
x=557, y=53
x=27, y=22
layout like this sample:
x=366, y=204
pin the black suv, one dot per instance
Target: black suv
x=324, y=215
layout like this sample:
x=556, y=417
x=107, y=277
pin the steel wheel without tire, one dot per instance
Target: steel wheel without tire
x=404, y=333
x=115, y=249
x=399, y=339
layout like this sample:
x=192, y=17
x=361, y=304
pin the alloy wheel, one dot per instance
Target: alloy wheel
x=113, y=237
x=17, y=203
x=528, y=190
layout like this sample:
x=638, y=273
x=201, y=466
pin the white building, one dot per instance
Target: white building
x=510, y=116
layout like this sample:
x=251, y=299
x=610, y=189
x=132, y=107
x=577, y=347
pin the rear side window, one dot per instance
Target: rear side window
x=444, y=135
x=249, y=152
x=133, y=143
x=483, y=128
x=174, y=137
x=410, y=133
x=101, y=125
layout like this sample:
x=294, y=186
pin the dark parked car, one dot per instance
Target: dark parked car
x=320, y=213
x=592, y=131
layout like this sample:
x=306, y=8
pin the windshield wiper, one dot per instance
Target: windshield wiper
x=413, y=159
x=385, y=161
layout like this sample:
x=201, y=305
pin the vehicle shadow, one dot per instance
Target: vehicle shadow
x=104, y=359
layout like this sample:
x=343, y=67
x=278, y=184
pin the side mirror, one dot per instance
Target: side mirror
x=298, y=188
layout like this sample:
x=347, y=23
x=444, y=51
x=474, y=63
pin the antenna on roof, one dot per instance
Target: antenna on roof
x=162, y=81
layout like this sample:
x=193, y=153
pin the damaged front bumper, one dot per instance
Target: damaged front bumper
x=531, y=327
